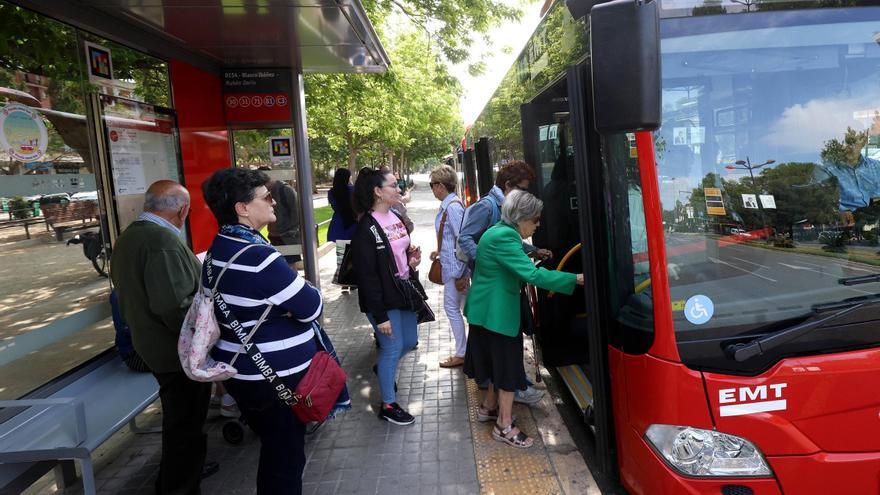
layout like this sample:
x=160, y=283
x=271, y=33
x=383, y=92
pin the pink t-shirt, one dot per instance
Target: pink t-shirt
x=396, y=233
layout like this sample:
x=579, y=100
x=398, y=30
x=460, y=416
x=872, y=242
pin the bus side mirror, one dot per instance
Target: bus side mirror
x=625, y=60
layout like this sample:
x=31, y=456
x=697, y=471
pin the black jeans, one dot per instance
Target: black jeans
x=282, y=436
x=184, y=444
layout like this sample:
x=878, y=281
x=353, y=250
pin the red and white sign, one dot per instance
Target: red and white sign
x=257, y=108
x=257, y=95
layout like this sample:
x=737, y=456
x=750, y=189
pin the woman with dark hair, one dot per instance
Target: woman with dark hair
x=343, y=223
x=382, y=251
x=260, y=288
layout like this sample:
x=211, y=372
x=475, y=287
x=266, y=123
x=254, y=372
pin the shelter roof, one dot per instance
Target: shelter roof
x=332, y=35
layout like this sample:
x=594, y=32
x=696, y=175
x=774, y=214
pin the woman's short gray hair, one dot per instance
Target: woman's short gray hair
x=520, y=205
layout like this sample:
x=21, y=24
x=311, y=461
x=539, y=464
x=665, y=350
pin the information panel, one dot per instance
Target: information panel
x=257, y=95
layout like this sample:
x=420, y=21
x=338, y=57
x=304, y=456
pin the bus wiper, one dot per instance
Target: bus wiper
x=747, y=350
x=861, y=279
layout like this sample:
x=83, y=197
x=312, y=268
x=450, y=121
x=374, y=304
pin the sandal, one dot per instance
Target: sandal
x=519, y=440
x=485, y=415
x=452, y=362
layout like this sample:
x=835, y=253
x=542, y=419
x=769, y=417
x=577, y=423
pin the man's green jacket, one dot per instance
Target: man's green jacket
x=156, y=275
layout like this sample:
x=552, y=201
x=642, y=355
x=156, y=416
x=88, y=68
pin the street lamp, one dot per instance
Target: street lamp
x=747, y=165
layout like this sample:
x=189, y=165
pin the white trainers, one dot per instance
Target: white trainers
x=228, y=407
x=528, y=396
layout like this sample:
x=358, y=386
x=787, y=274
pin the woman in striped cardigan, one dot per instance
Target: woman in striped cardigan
x=259, y=277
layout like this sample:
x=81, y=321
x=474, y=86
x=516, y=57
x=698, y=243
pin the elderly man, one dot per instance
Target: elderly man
x=156, y=275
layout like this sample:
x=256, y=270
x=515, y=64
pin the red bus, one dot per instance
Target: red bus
x=682, y=143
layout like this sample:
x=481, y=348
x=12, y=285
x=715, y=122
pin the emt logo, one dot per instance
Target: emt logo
x=752, y=400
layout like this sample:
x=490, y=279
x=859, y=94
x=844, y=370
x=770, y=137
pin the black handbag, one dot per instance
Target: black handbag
x=416, y=299
x=345, y=274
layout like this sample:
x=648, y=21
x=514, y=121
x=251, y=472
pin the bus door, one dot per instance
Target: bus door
x=614, y=308
x=562, y=329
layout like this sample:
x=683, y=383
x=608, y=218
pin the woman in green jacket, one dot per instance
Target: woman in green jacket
x=495, y=342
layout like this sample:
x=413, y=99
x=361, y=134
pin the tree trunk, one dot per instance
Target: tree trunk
x=352, y=160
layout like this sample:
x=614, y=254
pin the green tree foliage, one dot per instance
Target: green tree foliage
x=451, y=25
x=798, y=198
x=847, y=152
x=557, y=43
x=406, y=115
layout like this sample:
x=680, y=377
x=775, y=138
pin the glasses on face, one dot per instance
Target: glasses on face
x=267, y=197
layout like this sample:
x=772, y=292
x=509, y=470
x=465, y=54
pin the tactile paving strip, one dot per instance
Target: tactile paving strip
x=502, y=469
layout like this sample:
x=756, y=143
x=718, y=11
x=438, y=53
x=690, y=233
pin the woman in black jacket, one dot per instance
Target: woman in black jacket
x=382, y=251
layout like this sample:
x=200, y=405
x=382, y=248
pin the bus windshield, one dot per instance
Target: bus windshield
x=769, y=171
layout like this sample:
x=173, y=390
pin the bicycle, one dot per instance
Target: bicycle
x=93, y=250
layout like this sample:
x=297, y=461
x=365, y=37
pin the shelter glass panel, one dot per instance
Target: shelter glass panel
x=272, y=151
x=53, y=290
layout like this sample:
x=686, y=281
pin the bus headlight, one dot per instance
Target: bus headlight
x=698, y=452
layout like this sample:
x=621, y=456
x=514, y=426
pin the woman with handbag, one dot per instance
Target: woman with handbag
x=495, y=342
x=343, y=223
x=384, y=263
x=446, y=269
x=261, y=291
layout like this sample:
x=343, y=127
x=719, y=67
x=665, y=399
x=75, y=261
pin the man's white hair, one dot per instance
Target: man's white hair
x=173, y=200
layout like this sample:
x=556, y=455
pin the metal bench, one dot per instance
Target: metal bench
x=70, y=423
x=62, y=217
x=26, y=223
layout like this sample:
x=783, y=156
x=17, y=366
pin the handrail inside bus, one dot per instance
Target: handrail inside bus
x=564, y=260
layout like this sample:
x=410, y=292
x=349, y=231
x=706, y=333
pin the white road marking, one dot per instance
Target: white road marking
x=750, y=262
x=716, y=260
x=849, y=266
x=797, y=267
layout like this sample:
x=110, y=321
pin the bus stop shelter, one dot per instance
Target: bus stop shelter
x=233, y=64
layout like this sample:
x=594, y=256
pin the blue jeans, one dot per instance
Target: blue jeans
x=404, y=335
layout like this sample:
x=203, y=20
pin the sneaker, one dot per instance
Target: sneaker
x=228, y=407
x=393, y=413
x=528, y=396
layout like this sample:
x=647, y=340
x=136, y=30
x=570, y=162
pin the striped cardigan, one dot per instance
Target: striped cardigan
x=259, y=277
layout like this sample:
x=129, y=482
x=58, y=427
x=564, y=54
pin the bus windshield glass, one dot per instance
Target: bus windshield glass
x=769, y=171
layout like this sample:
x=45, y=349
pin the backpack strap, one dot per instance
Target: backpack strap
x=496, y=208
x=215, y=295
x=442, y=225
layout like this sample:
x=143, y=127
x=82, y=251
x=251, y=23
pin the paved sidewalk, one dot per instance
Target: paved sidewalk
x=357, y=453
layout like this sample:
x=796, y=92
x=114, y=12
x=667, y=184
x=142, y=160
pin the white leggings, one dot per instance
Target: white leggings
x=453, y=302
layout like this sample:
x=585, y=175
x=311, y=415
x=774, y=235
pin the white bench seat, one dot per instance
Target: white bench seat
x=73, y=421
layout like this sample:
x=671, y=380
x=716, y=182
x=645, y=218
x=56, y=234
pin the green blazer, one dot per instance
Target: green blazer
x=501, y=268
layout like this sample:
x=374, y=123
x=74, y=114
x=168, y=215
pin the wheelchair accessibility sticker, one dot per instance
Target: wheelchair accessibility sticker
x=699, y=309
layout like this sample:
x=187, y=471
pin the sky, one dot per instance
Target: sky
x=478, y=90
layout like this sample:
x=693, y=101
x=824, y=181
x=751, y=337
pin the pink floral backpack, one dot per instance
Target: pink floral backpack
x=200, y=332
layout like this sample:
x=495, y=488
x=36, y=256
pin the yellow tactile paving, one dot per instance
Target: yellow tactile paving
x=502, y=469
